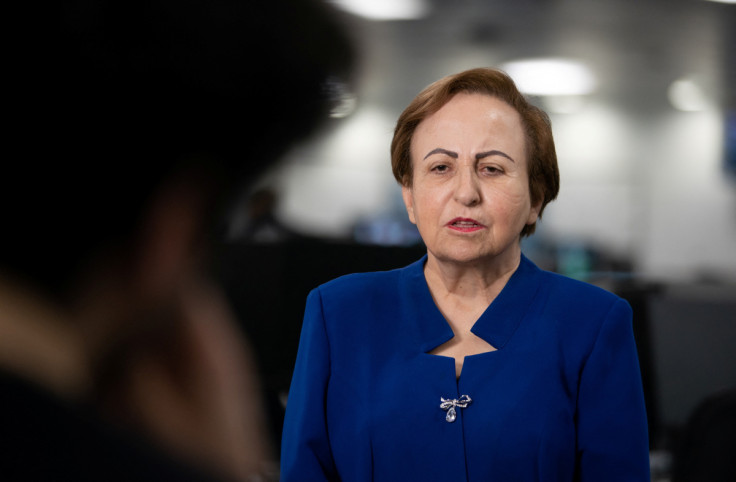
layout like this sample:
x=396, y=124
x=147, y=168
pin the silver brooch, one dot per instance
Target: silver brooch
x=450, y=404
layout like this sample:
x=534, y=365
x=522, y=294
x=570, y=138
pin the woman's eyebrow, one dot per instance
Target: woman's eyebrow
x=494, y=152
x=439, y=150
x=478, y=156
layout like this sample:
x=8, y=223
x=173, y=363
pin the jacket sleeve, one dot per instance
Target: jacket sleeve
x=611, y=416
x=305, y=446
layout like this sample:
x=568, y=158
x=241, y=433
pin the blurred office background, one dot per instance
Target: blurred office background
x=642, y=97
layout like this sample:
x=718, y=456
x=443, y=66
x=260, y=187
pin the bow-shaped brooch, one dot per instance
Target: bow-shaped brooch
x=450, y=405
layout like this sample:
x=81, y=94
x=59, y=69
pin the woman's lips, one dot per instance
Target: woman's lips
x=465, y=225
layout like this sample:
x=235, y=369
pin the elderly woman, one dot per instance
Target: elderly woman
x=471, y=363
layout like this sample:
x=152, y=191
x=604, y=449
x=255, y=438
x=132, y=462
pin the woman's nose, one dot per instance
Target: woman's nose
x=467, y=189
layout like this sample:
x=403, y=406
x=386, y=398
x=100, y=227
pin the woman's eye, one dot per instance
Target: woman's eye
x=491, y=170
x=440, y=168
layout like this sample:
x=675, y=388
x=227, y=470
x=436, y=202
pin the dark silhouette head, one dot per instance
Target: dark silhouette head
x=108, y=101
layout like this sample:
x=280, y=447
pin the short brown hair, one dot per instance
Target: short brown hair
x=544, y=175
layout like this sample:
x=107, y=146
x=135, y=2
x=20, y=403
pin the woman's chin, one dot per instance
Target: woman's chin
x=476, y=256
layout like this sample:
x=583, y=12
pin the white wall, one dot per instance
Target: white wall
x=651, y=187
x=327, y=184
x=691, y=226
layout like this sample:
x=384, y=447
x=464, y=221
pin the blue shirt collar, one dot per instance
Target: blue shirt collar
x=496, y=325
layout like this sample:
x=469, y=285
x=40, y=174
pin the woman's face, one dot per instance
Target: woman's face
x=470, y=192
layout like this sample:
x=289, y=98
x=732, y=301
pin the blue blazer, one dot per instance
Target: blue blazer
x=559, y=400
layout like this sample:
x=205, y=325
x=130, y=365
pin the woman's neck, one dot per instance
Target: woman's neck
x=480, y=280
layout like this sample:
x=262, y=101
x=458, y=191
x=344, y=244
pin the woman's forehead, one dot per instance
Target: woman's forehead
x=471, y=119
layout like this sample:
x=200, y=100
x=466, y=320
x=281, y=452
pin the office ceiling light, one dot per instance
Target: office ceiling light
x=384, y=9
x=551, y=76
x=686, y=95
x=723, y=1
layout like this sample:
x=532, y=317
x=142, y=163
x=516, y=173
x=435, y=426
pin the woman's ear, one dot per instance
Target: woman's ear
x=534, y=213
x=408, y=194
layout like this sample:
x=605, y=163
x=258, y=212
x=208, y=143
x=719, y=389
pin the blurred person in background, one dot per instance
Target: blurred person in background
x=128, y=124
x=258, y=223
x=471, y=363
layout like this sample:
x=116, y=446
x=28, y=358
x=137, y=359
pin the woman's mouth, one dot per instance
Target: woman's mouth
x=465, y=225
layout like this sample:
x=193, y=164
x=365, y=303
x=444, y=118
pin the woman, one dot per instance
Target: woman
x=472, y=363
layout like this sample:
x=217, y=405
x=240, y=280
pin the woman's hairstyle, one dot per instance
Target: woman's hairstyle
x=544, y=176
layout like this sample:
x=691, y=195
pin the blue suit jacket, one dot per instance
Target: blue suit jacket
x=559, y=400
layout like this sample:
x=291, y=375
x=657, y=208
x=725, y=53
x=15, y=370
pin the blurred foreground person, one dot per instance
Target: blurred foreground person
x=471, y=363
x=130, y=124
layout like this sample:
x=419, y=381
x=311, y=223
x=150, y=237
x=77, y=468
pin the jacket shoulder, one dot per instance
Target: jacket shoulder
x=362, y=285
x=566, y=287
x=571, y=298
